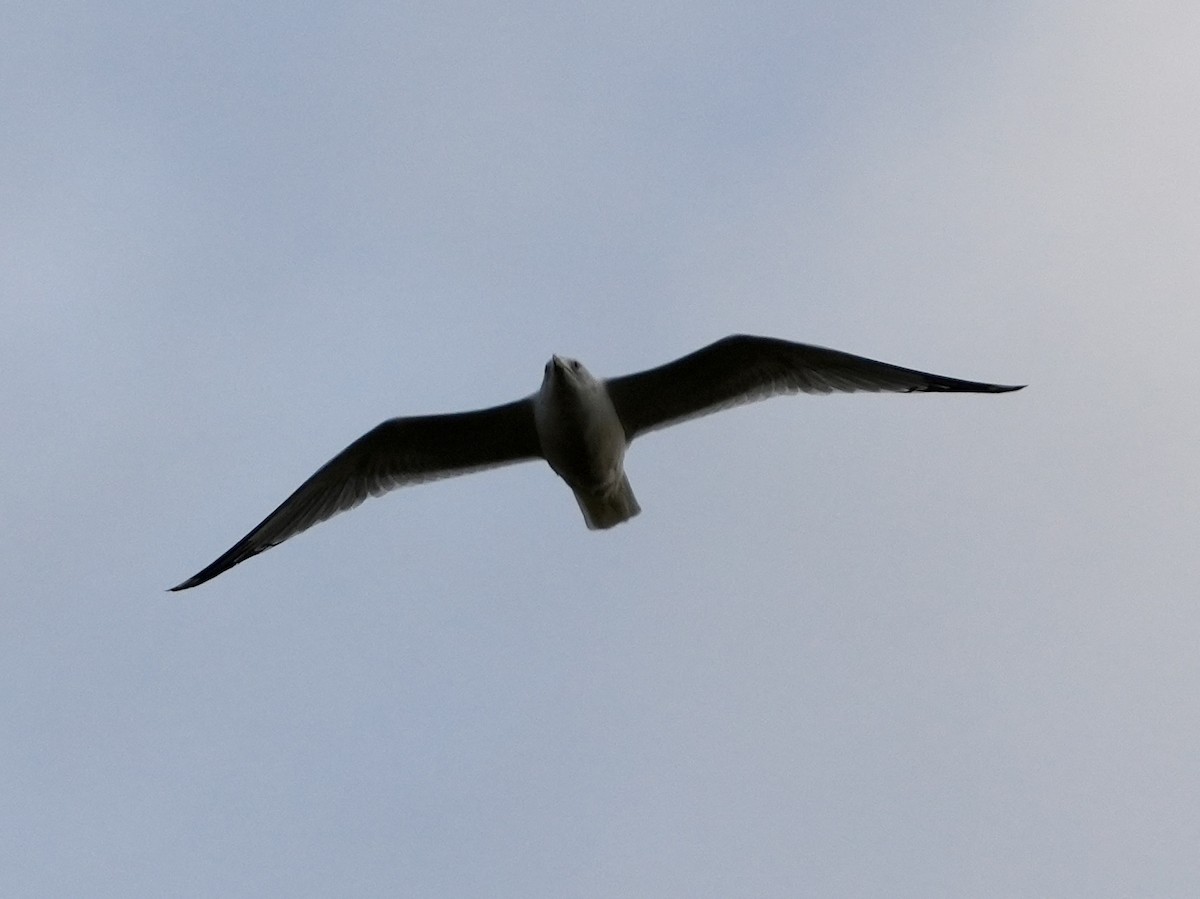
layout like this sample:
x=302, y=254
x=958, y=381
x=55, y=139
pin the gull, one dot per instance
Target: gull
x=581, y=425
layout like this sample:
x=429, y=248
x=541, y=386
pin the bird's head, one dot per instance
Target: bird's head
x=563, y=372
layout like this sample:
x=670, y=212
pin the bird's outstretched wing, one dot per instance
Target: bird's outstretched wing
x=741, y=369
x=398, y=452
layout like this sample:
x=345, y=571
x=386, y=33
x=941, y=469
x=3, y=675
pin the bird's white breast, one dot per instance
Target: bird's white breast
x=580, y=433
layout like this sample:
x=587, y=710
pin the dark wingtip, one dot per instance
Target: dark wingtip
x=937, y=384
x=236, y=554
x=221, y=565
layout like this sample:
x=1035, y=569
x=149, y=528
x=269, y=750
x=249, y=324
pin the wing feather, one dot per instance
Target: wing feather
x=742, y=369
x=398, y=452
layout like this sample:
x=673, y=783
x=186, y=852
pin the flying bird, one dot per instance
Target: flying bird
x=581, y=425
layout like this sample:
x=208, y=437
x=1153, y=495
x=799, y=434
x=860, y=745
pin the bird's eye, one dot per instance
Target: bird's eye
x=575, y=364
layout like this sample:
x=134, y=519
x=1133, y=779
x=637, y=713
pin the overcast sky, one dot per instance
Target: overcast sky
x=853, y=646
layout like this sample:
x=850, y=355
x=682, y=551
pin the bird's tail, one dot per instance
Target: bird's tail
x=610, y=507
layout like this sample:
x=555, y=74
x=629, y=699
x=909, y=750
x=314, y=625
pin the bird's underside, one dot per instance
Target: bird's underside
x=581, y=425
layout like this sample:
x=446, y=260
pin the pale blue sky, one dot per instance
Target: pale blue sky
x=853, y=646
